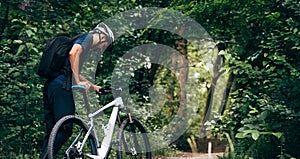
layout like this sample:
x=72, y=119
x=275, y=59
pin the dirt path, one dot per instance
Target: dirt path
x=193, y=156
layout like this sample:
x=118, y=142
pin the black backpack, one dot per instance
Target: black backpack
x=54, y=56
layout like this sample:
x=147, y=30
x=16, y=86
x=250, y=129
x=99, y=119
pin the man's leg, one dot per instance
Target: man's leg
x=49, y=119
x=63, y=105
x=49, y=125
x=57, y=103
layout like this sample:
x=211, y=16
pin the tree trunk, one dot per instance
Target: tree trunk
x=210, y=96
x=183, y=66
x=5, y=19
x=229, y=85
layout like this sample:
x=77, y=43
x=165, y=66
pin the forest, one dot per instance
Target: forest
x=218, y=69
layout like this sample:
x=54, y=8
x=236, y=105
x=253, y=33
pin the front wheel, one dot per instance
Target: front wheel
x=132, y=141
x=66, y=139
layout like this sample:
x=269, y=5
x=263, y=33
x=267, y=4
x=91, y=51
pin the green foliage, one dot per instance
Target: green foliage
x=25, y=27
x=259, y=40
x=264, y=104
x=24, y=30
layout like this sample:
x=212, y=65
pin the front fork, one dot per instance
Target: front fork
x=127, y=149
x=128, y=116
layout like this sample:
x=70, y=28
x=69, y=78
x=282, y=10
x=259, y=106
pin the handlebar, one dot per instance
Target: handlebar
x=78, y=87
x=104, y=90
x=107, y=90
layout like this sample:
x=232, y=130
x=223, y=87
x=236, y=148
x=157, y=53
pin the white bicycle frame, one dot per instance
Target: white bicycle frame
x=103, y=150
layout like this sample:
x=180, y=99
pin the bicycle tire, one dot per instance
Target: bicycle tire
x=132, y=141
x=77, y=125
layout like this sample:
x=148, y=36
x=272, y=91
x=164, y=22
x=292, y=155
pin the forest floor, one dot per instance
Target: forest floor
x=188, y=155
x=217, y=150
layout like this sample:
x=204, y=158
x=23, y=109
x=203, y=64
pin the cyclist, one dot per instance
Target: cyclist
x=57, y=94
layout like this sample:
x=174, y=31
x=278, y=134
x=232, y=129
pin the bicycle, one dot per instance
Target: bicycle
x=132, y=140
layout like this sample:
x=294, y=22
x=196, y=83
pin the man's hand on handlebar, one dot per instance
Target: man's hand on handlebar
x=88, y=85
x=96, y=88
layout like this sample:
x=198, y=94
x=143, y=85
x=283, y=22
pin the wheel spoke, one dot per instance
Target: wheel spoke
x=66, y=139
x=133, y=141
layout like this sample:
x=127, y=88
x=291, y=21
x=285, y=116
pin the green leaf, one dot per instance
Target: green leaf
x=276, y=15
x=29, y=33
x=29, y=45
x=295, y=30
x=255, y=134
x=241, y=135
x=17, y=42
x=35, y=50
x=278, y=135
x=21, y=48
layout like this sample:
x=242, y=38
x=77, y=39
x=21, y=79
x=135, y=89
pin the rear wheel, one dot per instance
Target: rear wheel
x=66, y=138
x=132, y=141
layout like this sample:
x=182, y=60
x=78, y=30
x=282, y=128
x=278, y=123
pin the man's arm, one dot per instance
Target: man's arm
x=75, y=60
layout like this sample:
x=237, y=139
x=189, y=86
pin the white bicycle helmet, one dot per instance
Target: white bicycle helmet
x=102, y=28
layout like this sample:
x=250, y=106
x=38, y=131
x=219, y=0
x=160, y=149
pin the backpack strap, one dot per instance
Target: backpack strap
x=67, y=79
